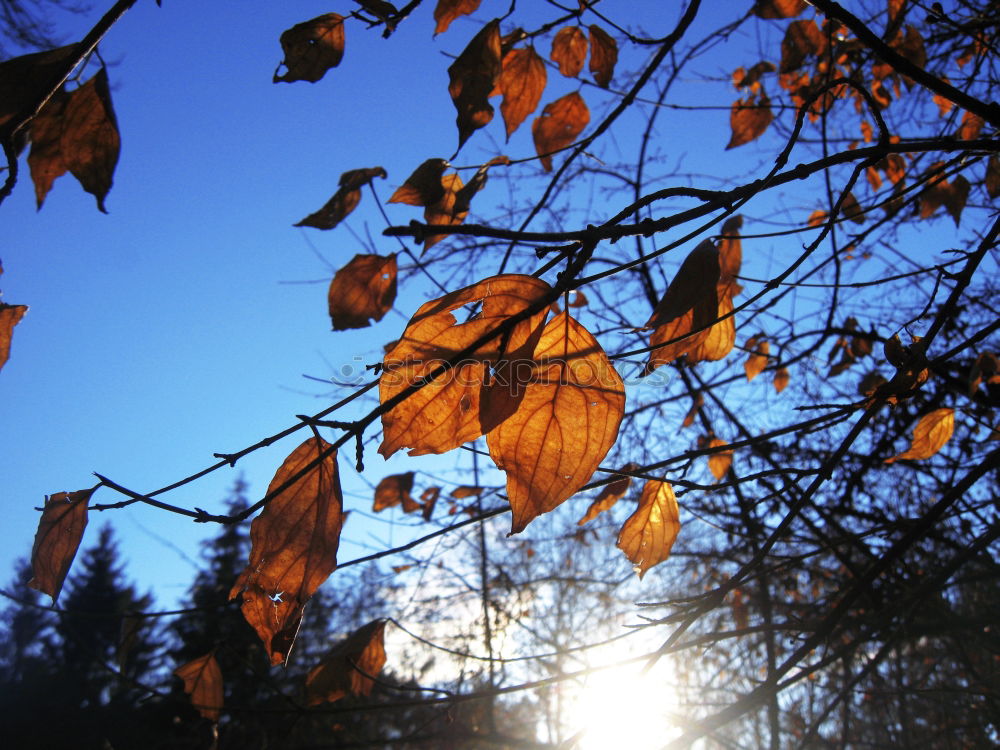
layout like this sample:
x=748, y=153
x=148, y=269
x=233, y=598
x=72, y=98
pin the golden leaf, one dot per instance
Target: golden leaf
x=603, y=56
x=608, y=496
x=446, y=412
x=446, y=210
x=76, y=132
x=565, y=424
x=344, y=200
x=690, y=304
x=393, y=490
x=447, y=11
x=757, y=360
x=311, y=48
x=569, y=50
x=294, y=544
x=60, y=530
x=350, y=667
x=522, y=81
x=558, y=126
x=10, y=316
x=929, y=436
x=781, y=378
x=650, y=532
x=748, y=119
x=362, y=290
x=203, y=682
x=471, y=79
x=719, y=463
x=721, y=336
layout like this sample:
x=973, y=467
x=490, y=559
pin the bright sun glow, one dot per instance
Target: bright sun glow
x=622, y=708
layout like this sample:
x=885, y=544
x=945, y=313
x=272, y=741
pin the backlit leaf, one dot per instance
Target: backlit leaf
x=447, y=210
x=393, y=490
x=609, y=495
x=777, y=9
x=467, y=490
x=76, y=132
x=446, y=412
x=203, y=682
x=971, y=126
x=690, y=304
x=757, y=360
x=569, y=50
x=565, y=424
x=722, y=335
x=650, y=532
x=748, y=119
x=696, y=403
x=802, y=39
x=344, y=200
x=311, y=48
x=362, y=290
x=603, y=56
x=294, y=544
x=522, y=81
x=929, y=436
x=60, y=530
x=10, y=316
x=558, y=126
x=423, y=187
x=781, y=378
x=350, y=667
x=719, y=463
x=471, y=79
x=447, y=11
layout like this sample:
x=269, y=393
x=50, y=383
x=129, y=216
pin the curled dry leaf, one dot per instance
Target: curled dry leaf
x=393, y=490
x=757, y=360
x=447, y=11
x=522, y=81
x=203, y=682
x=60, y=530
x=429, y=498
x=76, y=132
x=748, y=119
x=696, y=403
x=719, y=462
x=344, y=200
x=471, y=79
x=609, y=495
x=362, y=290
x=565, y=424
x=650, y=532
x=603, y=56
x=23, y=78
x=311, y=48
x=690, y=304
x=350, y=667
x=569, y=50
x=558, y=126
x=10, y=316
x=446, y=411
x=929, y=436
x=423, y=187
x=294, y=544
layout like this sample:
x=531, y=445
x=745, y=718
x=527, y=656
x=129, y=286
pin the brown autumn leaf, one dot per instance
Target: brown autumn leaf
x=467, y=490
x=931, y=433
x=781, y=378
x=447, y=210
x=429, y=498
x=350, y=668
x=22, y=78
x=748, y=119
x=362, y=290
x=730, y=249
x=294, y=544
x=757, y=360
x=10, y=316
x=344, y=200
x=750, y=79
x=603, y=56
x=558, y=126
x=778, y=9
x=311, y=48
x=721, y=336
x=447, y=11
x=446, y=412
x=984, y=369
x=471, y=79
x=522, y=81
x=60, y=530
x=76, y=132
x=993, y=176
x=802, y=39
x=608, y=496
x=565, y=424
x=423, y=187
x=696, y=403
x=650, y=532
x=970, y=128
x=569, y=50
x=203, y=682
x=939, y=192
x=850, y=209
x=393, y=490
x=719, y=463
x=690, y=304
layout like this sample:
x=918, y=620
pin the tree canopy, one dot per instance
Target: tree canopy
x=744, y=400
